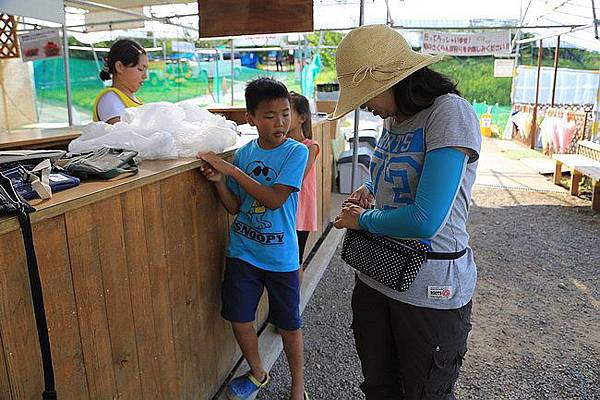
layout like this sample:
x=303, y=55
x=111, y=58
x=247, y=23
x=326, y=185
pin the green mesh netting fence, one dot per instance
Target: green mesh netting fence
x=500, y=114
x=170, y=80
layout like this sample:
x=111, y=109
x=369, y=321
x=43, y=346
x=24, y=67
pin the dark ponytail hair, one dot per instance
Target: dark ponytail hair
x=125, y=50
x=419, y=90
x=301, y=106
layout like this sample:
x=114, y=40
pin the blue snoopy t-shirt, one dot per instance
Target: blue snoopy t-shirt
x=262, y=237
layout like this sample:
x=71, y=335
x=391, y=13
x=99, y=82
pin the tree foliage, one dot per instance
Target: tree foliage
x=475, y=78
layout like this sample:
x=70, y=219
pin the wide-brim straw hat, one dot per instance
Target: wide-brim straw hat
x=371, y=59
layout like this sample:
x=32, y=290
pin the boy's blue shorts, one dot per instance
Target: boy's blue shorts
x=243, y=286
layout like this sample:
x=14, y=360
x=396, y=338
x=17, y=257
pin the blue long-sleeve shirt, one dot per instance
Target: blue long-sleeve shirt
x=443, y=170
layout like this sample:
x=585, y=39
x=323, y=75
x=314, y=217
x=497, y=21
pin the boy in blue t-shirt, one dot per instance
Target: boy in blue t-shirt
x=261, y=187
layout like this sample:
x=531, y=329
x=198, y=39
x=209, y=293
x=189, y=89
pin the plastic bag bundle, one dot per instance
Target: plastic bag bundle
x=160, y=131
x=557, y=134
x=566, y=131
x=548, y=133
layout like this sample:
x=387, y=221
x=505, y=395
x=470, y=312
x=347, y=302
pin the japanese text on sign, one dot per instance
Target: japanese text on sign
x=467, y=44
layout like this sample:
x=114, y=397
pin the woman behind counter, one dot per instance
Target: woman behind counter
x=127, y=65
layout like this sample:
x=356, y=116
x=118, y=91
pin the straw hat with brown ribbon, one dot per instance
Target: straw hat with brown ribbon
x=371, y=59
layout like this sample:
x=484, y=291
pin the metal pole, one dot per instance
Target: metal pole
x=518, y=35
x=4, y=100
x=532, y=134
x=98, y=67
x=595, y=20
x=556, y=52
x=232, y=59
x=67, y=76
x=361, y=21
x=305, y=59
x=217, y=77
x=388, y=17
x=517, y=53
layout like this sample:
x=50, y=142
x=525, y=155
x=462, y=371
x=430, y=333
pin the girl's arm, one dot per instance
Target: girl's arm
x=313, y=151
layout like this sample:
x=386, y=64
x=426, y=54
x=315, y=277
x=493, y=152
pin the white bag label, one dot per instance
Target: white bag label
x=57, y=178
x=440, y=292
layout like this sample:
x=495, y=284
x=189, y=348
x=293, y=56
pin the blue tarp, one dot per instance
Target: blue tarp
x=309, y=73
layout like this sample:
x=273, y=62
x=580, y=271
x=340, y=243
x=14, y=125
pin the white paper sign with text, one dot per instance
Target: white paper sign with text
x=467, y=44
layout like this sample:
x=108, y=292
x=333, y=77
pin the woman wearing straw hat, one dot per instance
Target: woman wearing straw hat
x=411, y=343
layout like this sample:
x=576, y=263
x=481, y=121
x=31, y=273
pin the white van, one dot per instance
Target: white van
x=205, y=63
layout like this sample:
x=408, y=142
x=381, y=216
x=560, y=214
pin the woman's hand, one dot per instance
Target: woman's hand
x=349, y=216
x=217, y=163
x=361, y=197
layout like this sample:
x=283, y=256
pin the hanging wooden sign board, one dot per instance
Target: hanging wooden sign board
x=248, y=17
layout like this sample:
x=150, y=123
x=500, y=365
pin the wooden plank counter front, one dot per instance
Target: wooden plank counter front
x=131, y=272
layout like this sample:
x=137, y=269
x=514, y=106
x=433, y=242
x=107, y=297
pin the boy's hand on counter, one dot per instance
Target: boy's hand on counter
x=215, y=169
x=210, y=173
x=217, y=163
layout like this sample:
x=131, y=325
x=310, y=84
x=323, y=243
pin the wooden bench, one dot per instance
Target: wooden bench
x=586, y=162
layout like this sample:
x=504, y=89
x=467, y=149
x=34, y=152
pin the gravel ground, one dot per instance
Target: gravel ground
x=536, y=310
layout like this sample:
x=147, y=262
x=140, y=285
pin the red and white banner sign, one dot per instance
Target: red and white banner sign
x=467, y=44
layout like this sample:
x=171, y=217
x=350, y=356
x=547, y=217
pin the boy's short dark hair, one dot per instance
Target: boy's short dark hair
x=264, y=89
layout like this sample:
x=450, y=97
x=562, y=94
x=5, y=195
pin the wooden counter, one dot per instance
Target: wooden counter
x=57, y=138
x=131, y=272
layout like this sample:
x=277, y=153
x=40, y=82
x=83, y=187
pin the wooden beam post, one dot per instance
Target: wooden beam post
x=557, y=172
x=556, y=52
x=596, y=196
x=532, y=134
x=575, y=180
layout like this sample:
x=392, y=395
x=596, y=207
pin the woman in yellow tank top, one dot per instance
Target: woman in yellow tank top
x=127, y=65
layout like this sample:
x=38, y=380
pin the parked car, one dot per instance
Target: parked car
x=205, y=62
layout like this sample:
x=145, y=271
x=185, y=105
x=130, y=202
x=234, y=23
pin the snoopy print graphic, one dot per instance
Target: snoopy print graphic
x=263, y=174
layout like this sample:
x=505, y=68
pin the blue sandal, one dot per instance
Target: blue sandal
x=243, y=387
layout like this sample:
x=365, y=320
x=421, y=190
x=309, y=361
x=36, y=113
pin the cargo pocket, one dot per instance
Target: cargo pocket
x=446, y=360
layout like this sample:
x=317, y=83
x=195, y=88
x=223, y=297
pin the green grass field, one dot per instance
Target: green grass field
x=83, y=96
x=50, y=86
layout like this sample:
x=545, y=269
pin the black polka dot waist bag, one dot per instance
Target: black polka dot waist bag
x=392, y=262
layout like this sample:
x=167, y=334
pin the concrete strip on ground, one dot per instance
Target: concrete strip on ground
x=497, y=170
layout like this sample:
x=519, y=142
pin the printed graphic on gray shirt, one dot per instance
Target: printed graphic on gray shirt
x=395, y=168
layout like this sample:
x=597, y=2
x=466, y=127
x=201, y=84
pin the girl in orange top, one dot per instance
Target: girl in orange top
x=301, y=131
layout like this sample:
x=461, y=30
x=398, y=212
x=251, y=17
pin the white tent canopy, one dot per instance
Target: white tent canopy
x=573, y=19
x=567, y=12
x=51, y=11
